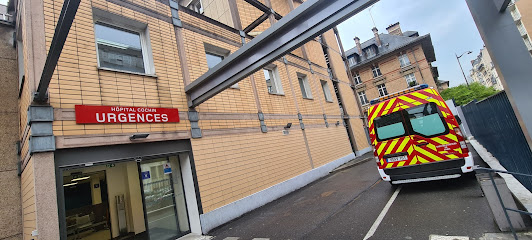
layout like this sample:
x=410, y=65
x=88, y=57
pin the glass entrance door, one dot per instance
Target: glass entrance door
x=164, y=200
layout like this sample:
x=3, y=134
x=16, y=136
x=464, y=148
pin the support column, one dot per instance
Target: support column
x=510, y=56
x=46, y=213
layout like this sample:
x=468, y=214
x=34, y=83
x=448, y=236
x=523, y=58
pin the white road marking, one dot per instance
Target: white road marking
x=383, y=213
x=439, y=237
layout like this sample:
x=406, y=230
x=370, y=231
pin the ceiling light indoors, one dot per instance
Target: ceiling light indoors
x=80, y=178
x=70, y=184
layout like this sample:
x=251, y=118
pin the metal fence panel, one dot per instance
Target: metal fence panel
x=494, y=125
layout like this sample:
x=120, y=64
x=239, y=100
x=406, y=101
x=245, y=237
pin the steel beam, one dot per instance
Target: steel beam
x=68, y=13
x=256, y=23
x=301, y=25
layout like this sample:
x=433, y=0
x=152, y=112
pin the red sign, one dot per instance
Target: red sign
x=116, y=114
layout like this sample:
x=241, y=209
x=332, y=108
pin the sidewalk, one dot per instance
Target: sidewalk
x=357, y=160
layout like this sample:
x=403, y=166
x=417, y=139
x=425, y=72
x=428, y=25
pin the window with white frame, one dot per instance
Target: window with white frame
x=376, y=71
x=215, y=55
x=305, y=86
x=273, y=81
x=196, y=6
x=370, y=52
x=363, y=98
x=352, y=61
x=411, y=79
x=357, y=78
x=121, y=48
x=403, y=60
x=326, y=90
x=382, y=90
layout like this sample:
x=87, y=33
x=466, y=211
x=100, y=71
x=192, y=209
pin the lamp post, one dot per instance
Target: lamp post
x=459, y=64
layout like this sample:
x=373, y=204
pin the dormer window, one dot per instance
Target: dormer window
x=370, y=52
x=352, y=60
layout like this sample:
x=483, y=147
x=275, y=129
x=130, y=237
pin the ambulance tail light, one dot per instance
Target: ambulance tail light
x=463, y=144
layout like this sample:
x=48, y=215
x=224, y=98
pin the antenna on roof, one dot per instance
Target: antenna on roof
x=369, y=10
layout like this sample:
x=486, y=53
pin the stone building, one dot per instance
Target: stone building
x=483, y=71
x=391, y=62
x=521, y=11
x=10, y=190
x=114, y=151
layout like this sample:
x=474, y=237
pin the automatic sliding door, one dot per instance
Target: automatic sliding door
x=163, y=197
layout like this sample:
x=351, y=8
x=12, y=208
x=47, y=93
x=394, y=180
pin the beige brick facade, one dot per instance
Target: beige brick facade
x=233, y=159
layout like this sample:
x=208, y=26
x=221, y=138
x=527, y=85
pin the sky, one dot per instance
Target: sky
x=449, y=23
x=3, y=2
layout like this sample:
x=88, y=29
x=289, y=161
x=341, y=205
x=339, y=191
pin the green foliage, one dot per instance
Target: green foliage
x=463, y=94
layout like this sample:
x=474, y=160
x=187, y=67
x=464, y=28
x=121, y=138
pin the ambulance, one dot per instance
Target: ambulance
x=416, y=138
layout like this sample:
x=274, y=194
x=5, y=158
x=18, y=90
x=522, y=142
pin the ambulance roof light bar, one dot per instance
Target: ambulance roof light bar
x=395, y=94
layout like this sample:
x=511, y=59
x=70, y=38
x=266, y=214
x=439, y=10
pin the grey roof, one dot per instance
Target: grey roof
x=391, y=43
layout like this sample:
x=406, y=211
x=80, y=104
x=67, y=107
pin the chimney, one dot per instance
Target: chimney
x=377, y=38
x=359, y=47
x=395, y=29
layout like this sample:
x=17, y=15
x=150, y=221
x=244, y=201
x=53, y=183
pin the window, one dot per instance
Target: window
x=411, y=80
x=425, y=120
x=403, y=60
x=305, y=87
x=214, y=56
x=352, y=61
x=382, y=90
x=122, y=49
x=493, y=80
x=273, y=82
x=390, y=126
x=326, y=91
x=20, y=59
x=196, y=6
x=370, y=52
x=363, y=98
x=376, y=71
x=358, y=80
x=213, y=59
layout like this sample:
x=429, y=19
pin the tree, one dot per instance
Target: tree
x=463, y=94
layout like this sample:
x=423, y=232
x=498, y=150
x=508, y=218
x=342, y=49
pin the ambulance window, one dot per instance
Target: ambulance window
x=389, y=126
x=426, y=121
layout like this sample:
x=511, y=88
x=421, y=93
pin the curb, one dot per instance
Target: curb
x=518, y=190
x=350, y=164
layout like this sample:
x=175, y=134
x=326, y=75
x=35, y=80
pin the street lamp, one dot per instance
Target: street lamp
x=458, y=59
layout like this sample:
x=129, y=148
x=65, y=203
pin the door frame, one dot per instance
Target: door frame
x=101, y=155
x=173, y=198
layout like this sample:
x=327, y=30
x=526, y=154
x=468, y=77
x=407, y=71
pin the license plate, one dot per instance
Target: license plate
x=397, y=159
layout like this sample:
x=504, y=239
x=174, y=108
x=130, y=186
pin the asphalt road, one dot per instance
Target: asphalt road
x=347, y=203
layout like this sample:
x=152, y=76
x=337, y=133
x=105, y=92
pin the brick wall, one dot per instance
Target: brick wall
x=233, y=158
x=27, y=181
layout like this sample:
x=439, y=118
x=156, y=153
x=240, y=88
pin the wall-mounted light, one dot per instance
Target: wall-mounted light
x=288, y=125
x=337, y=123
x=138, y=136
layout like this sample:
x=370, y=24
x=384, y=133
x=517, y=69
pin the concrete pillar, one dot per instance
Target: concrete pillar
x=45, y=196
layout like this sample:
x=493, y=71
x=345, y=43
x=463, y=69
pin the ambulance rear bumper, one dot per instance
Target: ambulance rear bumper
x=428, y=171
